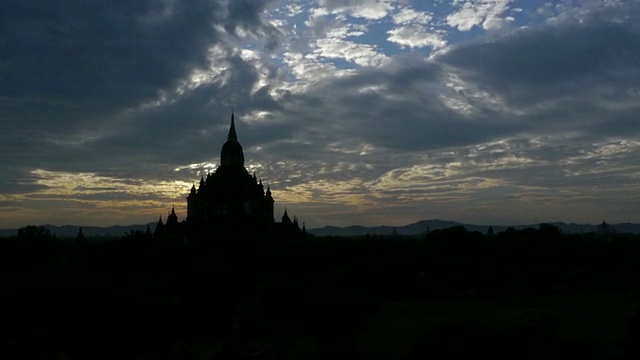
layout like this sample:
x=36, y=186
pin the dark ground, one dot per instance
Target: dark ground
x=526, y=294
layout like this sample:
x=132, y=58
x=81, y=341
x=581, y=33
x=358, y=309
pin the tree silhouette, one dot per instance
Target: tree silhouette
x=32, y=232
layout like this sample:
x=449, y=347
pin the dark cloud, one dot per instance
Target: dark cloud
x=247, y=15
x=533, y=65
x=75, y=78
x=17, y=180
x=549, y=55
x=98, y=51
x=70, y=69
x=397, y=107
x=102, y=90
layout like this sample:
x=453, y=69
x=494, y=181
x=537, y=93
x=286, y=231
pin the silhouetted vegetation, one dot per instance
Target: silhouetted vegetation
x=522, y=294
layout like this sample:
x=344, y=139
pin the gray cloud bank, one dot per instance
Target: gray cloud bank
x=531, y=124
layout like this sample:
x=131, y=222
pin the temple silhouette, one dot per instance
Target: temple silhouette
x=228, y=201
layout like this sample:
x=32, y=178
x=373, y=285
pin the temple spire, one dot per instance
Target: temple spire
x=232, y=130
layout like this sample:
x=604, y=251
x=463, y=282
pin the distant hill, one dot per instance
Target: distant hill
x=422, y=226
x=70, y=231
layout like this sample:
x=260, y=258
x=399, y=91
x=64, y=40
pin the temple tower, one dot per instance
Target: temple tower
x=230, y=197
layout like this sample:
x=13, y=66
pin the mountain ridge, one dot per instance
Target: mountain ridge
x=422, y=226
x=419, y=227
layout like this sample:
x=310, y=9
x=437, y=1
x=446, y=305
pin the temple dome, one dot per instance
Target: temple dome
x=232, y=155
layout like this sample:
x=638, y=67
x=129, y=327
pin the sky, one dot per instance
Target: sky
x=354, y=112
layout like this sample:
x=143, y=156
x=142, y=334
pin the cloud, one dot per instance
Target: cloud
x=367, y=9
x=63, y=194
x=343, y=107
x=415, y=36
x=70, y=109
x=329, y=37
x=408, y=15
x=360, y=54
x=115, y=52
x=484, y=13
x=509, y=108
x=585, y=73
x=412, y=30
x=244, y=17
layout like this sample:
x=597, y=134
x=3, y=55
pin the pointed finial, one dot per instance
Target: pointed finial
x=232, y=129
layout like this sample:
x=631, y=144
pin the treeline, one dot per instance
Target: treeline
x=455, y=262
x=146, y=294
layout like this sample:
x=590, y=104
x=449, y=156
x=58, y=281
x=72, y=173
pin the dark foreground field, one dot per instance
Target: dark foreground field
x=526, y=294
